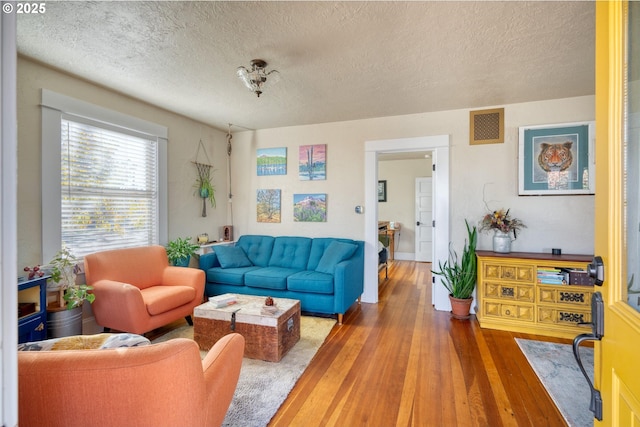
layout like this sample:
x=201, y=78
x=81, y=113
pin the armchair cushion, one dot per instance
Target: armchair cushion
x=160, y=299
x=232, y=257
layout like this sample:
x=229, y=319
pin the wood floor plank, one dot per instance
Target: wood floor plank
x=402, y=363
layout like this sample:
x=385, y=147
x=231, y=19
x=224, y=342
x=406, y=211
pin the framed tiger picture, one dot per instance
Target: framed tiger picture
x=557, y=159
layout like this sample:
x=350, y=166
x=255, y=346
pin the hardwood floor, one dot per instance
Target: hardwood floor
x=401, y=363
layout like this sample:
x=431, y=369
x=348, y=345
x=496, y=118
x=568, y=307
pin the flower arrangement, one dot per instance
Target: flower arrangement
x=500, y=220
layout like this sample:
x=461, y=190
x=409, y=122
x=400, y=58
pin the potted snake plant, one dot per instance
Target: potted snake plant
x=459, y=275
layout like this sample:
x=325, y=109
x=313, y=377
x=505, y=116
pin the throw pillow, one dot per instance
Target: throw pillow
x=231, y=256
x=333, y=254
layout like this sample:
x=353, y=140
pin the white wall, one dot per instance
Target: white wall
x=184, y=135
x=479, y=174
x=400, y=205
x=553, y=221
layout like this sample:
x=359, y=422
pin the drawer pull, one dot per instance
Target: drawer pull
x=507, y=292
x=507, y=312
x=572, y=296
x=571, y=317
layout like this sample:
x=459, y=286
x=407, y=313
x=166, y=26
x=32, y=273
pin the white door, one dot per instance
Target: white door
x=424, y=219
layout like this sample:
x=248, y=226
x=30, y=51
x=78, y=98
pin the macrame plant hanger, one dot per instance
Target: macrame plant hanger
x=205, y=189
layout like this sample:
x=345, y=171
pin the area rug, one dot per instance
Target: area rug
x=558, y=371
x=263, y=386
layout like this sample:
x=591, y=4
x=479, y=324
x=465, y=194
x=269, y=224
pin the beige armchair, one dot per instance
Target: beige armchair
x=164, y=384
x=137, y=290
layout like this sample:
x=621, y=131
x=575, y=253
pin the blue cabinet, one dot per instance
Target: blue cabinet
x=32, y=310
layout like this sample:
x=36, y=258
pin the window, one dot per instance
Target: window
x=103, y=179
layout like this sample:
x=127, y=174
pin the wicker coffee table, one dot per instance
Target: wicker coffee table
x=267, y=336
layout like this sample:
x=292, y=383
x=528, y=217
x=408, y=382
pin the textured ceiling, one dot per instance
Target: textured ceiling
x=337, y=60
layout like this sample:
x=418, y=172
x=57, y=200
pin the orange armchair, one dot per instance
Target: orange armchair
x=137, y=290
x=155, y=385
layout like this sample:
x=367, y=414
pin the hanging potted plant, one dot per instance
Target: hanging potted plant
x=459, y=276
x=204, y=187
x=65, y=317
x=180, y=250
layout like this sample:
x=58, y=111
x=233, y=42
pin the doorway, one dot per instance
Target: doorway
x=439, y=146
x=398, y=173
x=424, y=219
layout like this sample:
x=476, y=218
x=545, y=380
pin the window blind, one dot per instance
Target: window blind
x=109, y=188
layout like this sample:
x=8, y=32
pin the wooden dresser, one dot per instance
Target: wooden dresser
x=512, y=295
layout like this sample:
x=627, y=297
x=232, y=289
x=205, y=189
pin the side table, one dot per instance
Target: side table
x=32, y=313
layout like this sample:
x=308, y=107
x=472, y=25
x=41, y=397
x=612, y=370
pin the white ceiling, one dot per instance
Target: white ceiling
x=337, y=60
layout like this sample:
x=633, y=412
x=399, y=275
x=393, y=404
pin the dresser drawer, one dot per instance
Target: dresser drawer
x=520, y=273
x=563, y=316
x=524, y=312
x=566, y=295
x=32, y=328
x=509, y=291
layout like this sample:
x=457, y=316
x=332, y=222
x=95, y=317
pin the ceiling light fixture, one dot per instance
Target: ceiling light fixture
x=255, y=79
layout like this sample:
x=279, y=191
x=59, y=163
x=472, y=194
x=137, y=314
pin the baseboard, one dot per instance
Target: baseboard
x=404, y=256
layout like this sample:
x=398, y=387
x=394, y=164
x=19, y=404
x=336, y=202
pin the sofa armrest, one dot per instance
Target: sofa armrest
x=208, y=260
x=348, y=283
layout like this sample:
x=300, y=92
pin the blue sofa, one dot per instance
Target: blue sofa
x=325, y=274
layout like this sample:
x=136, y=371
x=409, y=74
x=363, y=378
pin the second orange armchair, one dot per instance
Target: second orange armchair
x=137, y=290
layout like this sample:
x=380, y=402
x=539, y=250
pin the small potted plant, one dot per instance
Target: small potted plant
x=66, y=318
x=459, y=276
x=180, y=250
x=64, y=270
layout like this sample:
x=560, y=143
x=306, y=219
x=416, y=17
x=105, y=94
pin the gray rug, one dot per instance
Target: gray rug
x=263, y=386
x=558, y=371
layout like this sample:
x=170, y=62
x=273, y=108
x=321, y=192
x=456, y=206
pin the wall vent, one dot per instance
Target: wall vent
x=487, y=126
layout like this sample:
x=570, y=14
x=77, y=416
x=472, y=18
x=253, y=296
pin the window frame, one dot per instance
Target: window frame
x=54, y=107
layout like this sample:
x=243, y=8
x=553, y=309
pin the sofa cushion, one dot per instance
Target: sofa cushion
x=232, y=257
x=311, y=281
x=269, y=278
x=228, y=276
x=333, y=254
x=290, y=252
x=257, y=248
x=160, y=299
x=318, y=246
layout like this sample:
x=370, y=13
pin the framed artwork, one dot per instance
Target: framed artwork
x=557, y=159
x=268, y=205
x=312, y=164
x=310, y=208
x=271, y=161
x=382, y=191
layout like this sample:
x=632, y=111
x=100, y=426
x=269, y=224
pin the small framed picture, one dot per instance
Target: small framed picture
x=382, y=191
x=557, y=159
